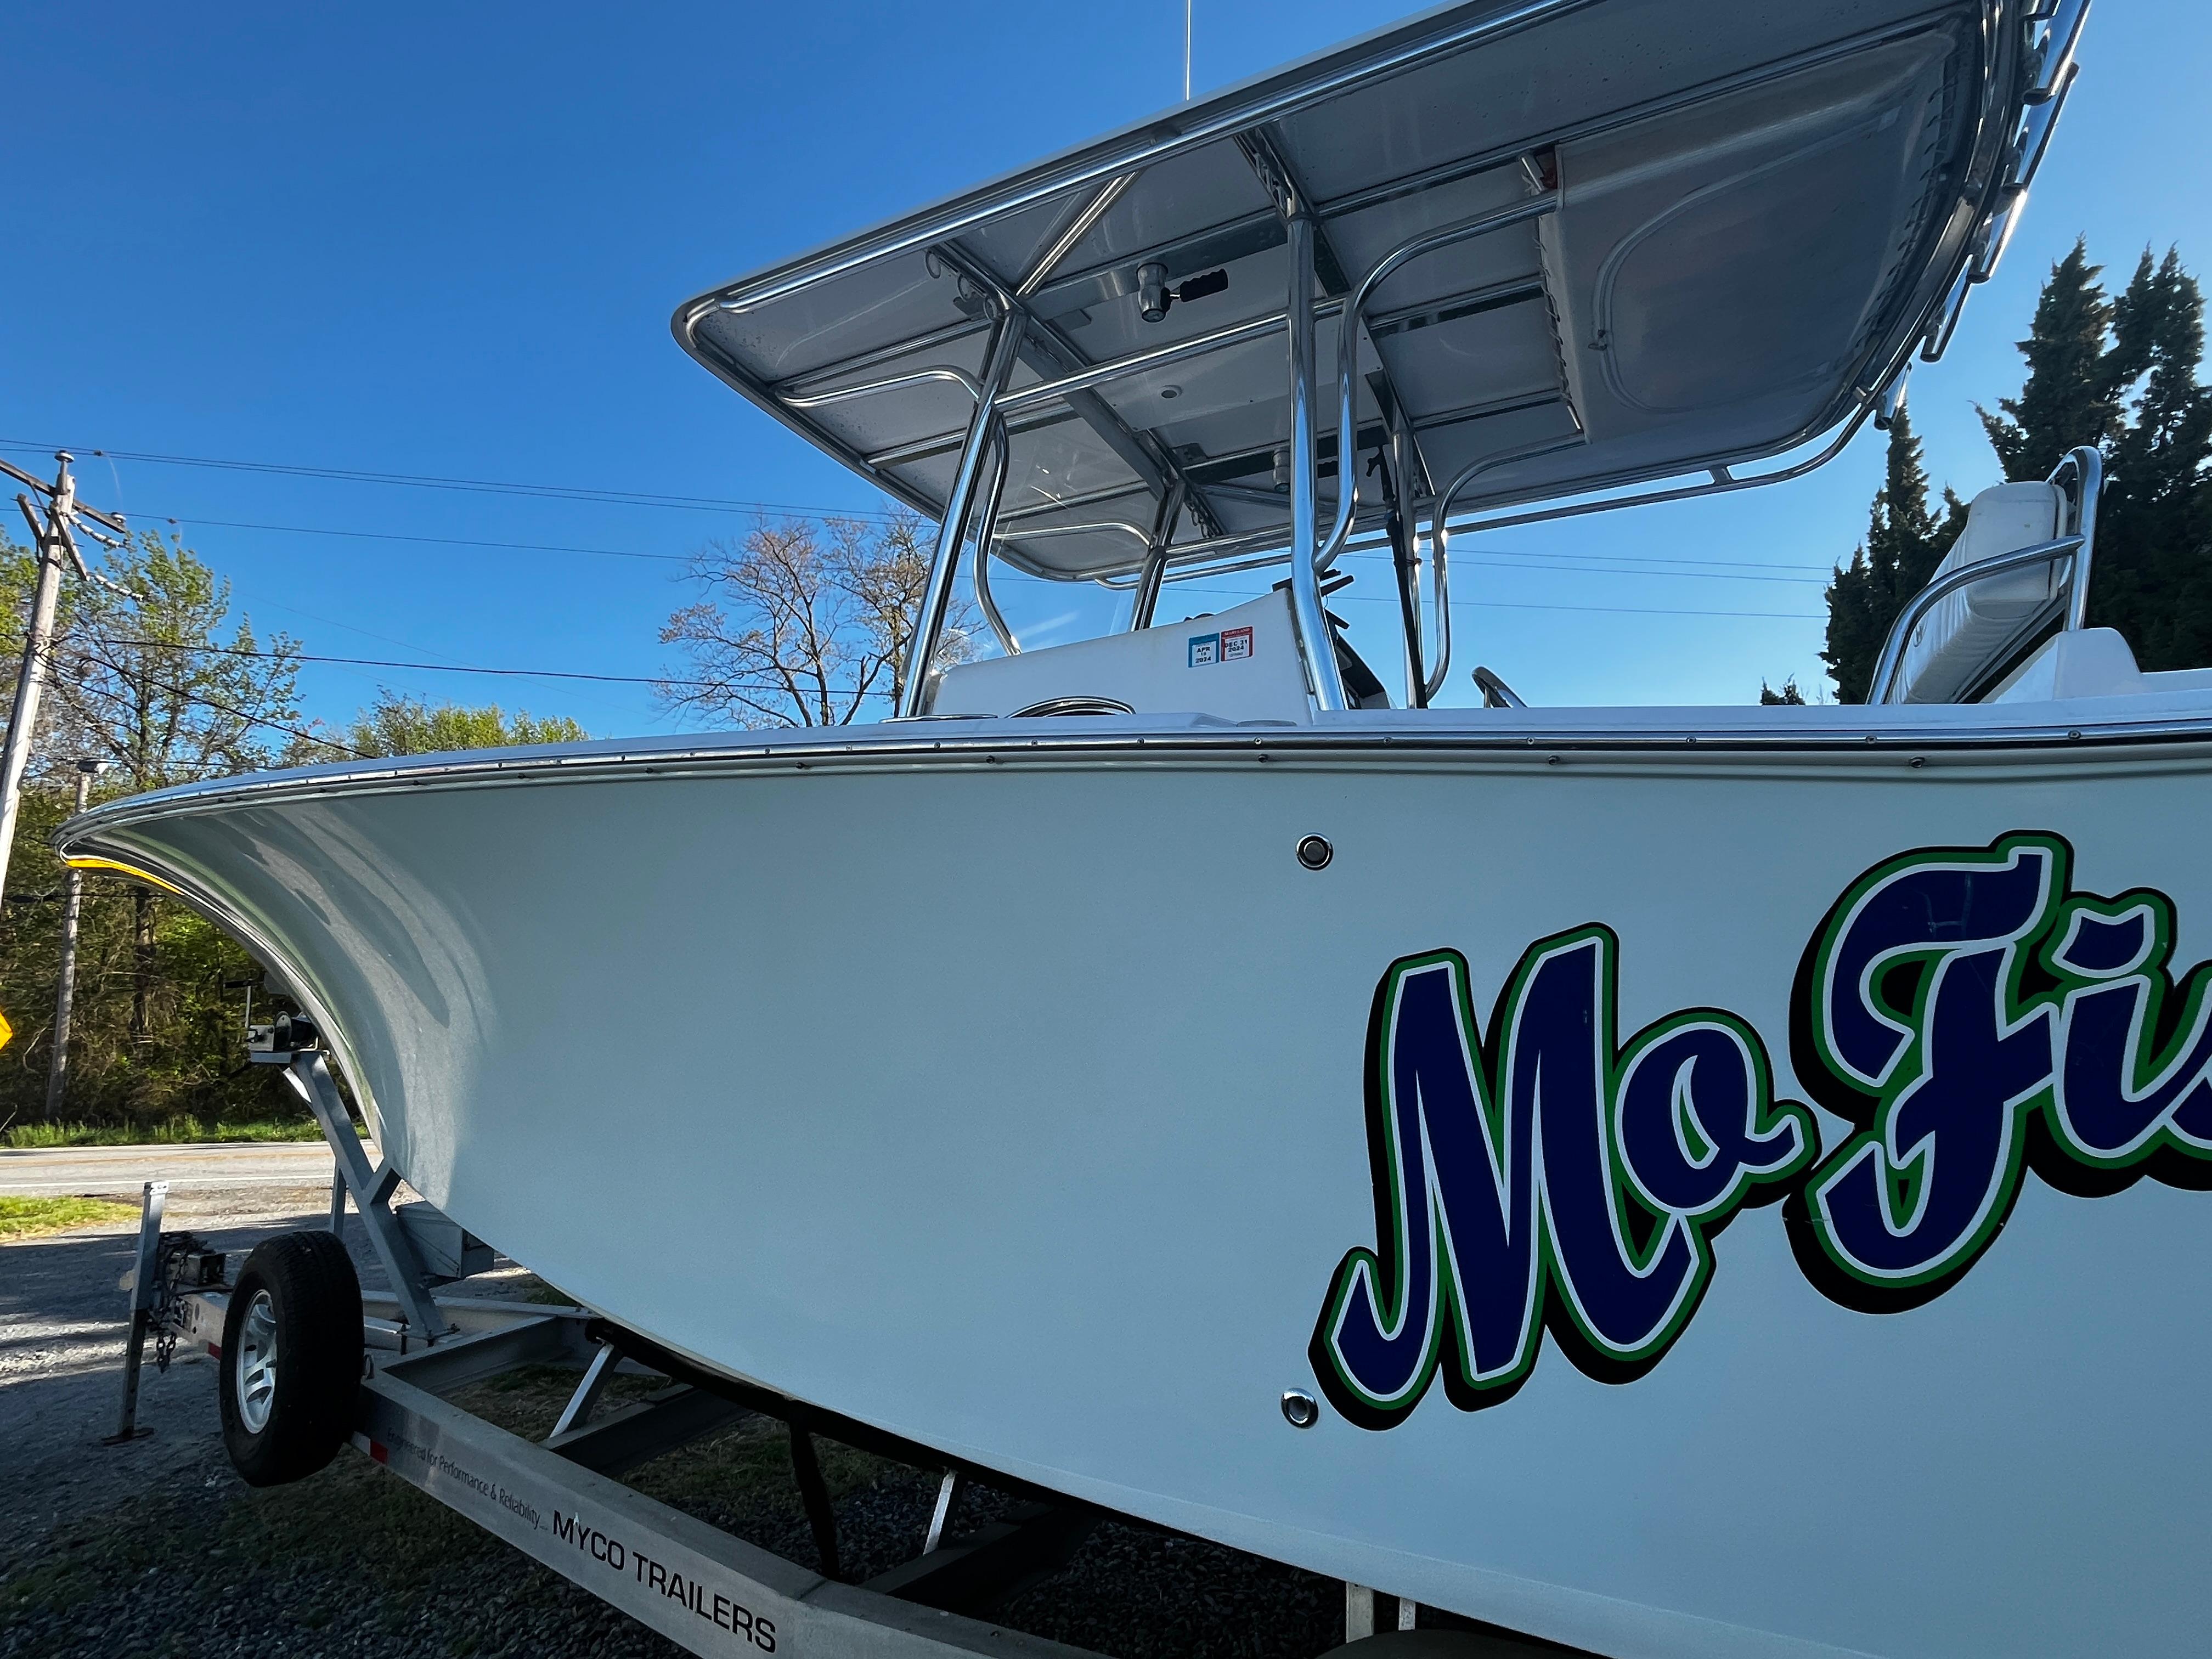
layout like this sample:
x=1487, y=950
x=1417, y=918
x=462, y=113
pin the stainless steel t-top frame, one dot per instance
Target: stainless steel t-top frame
x=2008, y=91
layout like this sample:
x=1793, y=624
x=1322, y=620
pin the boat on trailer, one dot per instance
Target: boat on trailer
x=1667, y=1181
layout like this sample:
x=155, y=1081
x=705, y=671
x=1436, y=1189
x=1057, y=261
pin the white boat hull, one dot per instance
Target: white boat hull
x=1016, y=1099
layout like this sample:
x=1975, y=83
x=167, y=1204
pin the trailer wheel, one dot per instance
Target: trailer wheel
x=291, y=1357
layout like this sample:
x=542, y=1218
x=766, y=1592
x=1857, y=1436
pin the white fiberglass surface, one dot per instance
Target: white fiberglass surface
x=1036, y=1131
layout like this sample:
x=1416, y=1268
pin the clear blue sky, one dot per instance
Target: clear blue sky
x=446, y=240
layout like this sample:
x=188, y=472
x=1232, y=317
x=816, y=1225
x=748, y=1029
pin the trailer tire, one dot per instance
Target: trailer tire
x=291, y=1357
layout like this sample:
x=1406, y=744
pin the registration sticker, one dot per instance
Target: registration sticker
x=1230, y=645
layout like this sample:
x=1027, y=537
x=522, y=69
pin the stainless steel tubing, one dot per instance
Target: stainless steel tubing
x=1909, y=619
x=959, y=377
x=1220, y=339
x=986, y=530
x=1079, y=228
x=2087, y=466
x=1440, y=543
x=1315, y=641
x=1156, y=557
x=937, y=598
x=1347, y=341
x=1406, y=557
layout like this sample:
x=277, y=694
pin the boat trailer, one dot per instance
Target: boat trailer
x=560, y=1500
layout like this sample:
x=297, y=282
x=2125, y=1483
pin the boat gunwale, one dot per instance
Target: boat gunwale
x=897, y=744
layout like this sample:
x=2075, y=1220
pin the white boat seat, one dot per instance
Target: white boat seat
x=1237, y=665
x=1963, y=635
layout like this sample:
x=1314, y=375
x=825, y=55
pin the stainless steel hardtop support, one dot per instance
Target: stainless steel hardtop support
x=2080, y=477
x=1316, y=643
x=936, y=599
x=1155, y=560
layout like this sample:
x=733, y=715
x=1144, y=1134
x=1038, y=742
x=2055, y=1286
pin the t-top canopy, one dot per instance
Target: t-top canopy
x=1650, y=238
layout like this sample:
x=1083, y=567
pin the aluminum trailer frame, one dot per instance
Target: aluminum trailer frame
x=708, y=1592
x=558, y=1501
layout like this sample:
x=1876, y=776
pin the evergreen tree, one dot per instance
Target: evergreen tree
x=1906, y=540
x=2117, y=374
x=2072, y=395
x=2153, y=576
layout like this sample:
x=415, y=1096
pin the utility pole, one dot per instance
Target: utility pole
x=58, y=1077
x=53, y=539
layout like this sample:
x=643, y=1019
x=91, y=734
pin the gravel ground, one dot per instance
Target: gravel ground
x=156, y=1547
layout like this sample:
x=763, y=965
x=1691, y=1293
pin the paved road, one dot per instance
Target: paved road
x=63, y=1317
x=121, y=1171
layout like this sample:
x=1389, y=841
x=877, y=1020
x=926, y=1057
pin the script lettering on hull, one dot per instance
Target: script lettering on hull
x=1965, y=1011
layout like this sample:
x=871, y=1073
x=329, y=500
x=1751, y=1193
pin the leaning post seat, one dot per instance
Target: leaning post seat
x=1965, y=635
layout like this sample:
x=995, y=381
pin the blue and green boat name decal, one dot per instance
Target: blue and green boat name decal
x=1966, y=1013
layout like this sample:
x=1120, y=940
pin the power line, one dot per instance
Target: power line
x=1524, y=562
x=217, y=704
x=1638, y=610
x=693, y=503
x=453, y=668
x=1825, y=570
x=1616, y=564
x=384, y=662
x=484, y=486
x=434, y=541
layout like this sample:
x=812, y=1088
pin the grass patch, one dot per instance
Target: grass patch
x=27, y=1218
x=172, y=1131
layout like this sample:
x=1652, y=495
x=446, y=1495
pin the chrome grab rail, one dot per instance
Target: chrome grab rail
x=2087, y=465
x=1496, y=694
x=1909, y=619
x=1347, y=340
x=1440, y=541
x=1119, y=527
x=1075, y=705
x=959, y=377
x=2084, y=469
x=1722, y=481
x=981, y=579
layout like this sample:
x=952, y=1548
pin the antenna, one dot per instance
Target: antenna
x=1187, y=5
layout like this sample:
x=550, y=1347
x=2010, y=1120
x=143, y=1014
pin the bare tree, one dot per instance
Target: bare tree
x=806, y=625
